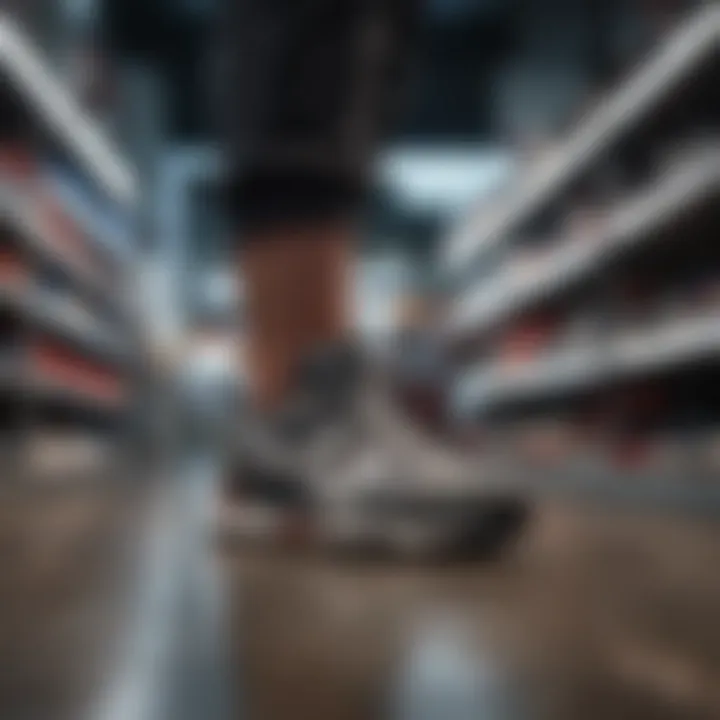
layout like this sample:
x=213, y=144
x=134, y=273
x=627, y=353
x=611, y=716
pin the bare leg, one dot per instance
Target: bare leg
x=297, y=297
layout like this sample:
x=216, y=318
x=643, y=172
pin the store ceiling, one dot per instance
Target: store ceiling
x=473, y=61
x=463, y=50
x=489, y=72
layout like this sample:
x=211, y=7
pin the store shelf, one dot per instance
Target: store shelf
x=70, y=350
x=38, y=313
x=493, y=385
x=17, y=212
x=635, y=222
x=47, y=391
x=687, y=340
x=15, y=380
x=684, y=341
x=683, y=54
x=109, y=230
x=60, y=114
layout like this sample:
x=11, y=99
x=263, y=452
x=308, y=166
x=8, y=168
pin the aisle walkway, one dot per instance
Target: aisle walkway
x=599, y=614
x=110, y=603
x=64, y=554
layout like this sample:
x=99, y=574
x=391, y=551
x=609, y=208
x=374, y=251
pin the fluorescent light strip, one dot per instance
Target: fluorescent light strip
x=678, y=56
x=62, y=114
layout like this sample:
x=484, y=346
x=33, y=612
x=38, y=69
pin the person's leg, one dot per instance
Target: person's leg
x=304, y=86
x=308, y=83
x=296, y=280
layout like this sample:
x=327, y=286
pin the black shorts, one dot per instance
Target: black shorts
x=304, y=88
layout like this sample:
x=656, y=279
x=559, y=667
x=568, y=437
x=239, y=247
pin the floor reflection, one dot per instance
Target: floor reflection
x=598, y=615
x=64, y=554
x=453, y=669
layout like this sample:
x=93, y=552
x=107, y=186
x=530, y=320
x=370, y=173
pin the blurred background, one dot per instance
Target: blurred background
x=540, y=265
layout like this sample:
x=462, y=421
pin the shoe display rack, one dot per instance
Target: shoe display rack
x=69, y=346
x=587, y=316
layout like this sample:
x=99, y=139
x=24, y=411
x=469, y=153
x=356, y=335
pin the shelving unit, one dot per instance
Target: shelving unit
x=636, y=220
x=587, y=315
x=647, y=92
x=70, y=349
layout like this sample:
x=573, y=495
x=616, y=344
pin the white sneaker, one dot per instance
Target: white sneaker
x=342, y=455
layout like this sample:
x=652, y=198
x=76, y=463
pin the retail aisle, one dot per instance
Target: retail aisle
x=598, y=615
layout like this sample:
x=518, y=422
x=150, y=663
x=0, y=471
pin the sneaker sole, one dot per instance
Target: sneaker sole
x=486, y=532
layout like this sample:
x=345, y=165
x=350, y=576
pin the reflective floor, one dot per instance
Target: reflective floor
x=598, y=613
x=63, y=558
x=595, y=615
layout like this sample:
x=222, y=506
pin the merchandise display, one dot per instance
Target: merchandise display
x=68, y=346
x=595, y=343
x=688, y=51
